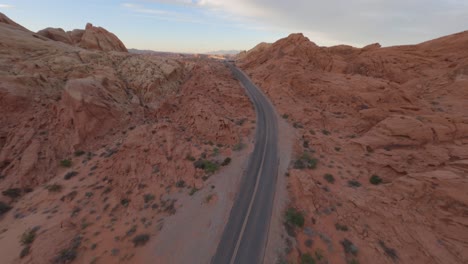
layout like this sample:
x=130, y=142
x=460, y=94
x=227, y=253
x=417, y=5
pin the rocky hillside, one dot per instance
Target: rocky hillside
x=382, y=147
x=92, y=142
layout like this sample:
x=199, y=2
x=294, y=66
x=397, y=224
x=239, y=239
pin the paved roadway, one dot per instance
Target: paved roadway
x=246, y=232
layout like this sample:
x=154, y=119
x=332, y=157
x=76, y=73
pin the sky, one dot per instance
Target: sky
x=212, y=25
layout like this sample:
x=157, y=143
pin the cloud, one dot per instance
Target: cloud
x=6, y=6
x=160, y=14
x=338, y=21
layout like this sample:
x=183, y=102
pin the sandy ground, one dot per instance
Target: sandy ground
x=192, y=235
x=276, y=245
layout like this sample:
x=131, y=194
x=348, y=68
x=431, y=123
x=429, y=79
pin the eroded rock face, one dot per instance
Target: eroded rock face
x=92, y=38
x=399, y=113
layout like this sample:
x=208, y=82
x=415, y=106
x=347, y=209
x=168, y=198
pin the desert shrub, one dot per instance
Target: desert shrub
x=376, y=180
x=190, y=157
x=67, y=255
x=329, y=178
x=354, y=183
x=25, y=251
x=238, y=147
x=207, y=165
x=349, y=247
x=326, y=132
x=341, y=227
x=193, y=191
x=180, y=184
x=28, y=237
x=226, y=161
x=307, y=259
x=294, y=217
x=148, y=197
x=389, y=251
x=70, y=175
x=54, y=187
x=285, y=116
x=140, y=240
x=79, y=153
x=66, y=163
x=12, y=193
x=305, y=161
x=4, y=208
x=125, y=202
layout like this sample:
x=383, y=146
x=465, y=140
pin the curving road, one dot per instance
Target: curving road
x=246, y=232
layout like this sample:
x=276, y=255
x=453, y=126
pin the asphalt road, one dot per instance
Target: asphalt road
x=246, y=232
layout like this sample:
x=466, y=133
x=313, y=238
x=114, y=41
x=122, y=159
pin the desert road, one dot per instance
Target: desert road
x=246, y=232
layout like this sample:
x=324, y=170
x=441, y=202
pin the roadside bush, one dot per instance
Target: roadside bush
x=375, y=180
x=305, y=161
x=294, y=217
x=226, y=161
x=206, y=165
x=140, y=240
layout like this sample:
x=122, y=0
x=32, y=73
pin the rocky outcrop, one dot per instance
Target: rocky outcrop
x=56, y=34
x=92, y=38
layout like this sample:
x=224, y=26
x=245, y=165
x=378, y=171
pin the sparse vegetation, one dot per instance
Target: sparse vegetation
x=67, y=255
x=70, y=175
x=305, y=161
x=285, y=116
x=349, y=247
x=389, y=251
x=326, y=132
x=208, y=198
x=193, y=191
x=341, y=227
x=294, y=217
x=125, y=202
x=238, y=147
x=354, y=183
x=206, y=165
x=4, y=208
x=226, y=161
x=190, y=157
x=329, y=178
x=318, y=254
x=13, y=193
x=375, y=180
x=180, y=184
x=28, y=237
x=148, y=197
x=337, y=149
x=66, y=163
x=307, y=259
x=25, y=251
x=140, y=240
x=54, y=188
x=79, y=153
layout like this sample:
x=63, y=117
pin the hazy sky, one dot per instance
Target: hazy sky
x=209, y=25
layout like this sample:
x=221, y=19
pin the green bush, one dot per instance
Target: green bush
x=28, y=237
x=307, y=259
x=66, y=163
x=140, y=240
x=376, y=180
x=12, y=193
x=294, y=217
x=206, y=165
x=25, y=251
x=329, y=178
x=305, y=161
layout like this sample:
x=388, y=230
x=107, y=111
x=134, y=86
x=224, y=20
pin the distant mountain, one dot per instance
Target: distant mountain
x=223, y=52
